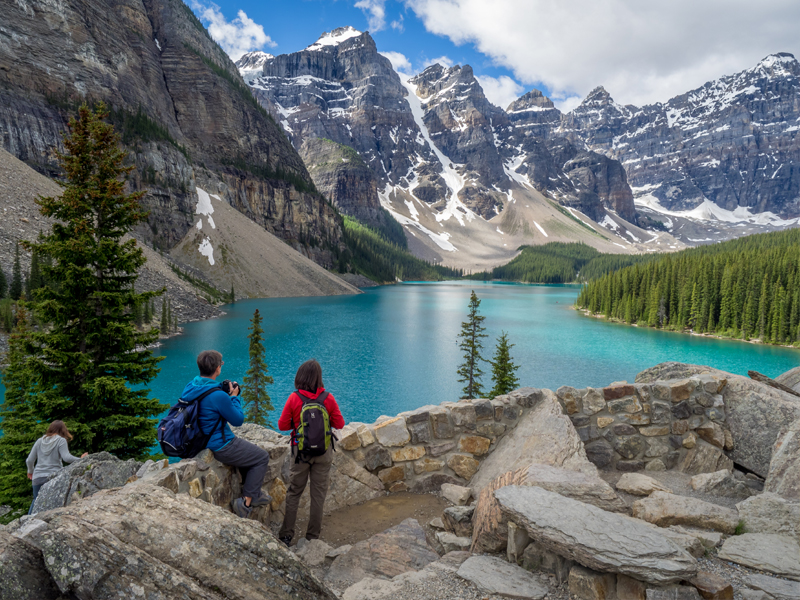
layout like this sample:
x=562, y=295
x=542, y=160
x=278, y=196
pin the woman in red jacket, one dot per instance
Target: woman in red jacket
x=309, y=386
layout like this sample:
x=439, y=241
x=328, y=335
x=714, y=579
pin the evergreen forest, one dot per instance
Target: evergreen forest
x=748, y=288
x=559, y=262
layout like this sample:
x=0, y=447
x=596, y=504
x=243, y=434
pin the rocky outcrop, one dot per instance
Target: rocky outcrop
x=783, y=476
x=144, y=540
x=770, y=513
x=755, y=413
x=84, y=478
x=663, y=509
x=183, y=110
x=597, y=539
x=23, y=572
x=778, y=554
x=790, y=379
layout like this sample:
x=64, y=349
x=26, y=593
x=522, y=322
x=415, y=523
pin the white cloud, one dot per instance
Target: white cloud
x=501, y=91
x=442, y=60
x=397, y=24
x=400, y=63
x=641, y=52
x=237, y=37
x=375, y=11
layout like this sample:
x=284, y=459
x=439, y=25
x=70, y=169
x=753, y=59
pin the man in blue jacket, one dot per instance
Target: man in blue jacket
x=217, y=412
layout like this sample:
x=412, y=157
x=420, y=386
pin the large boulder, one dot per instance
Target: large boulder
x=489, y=524
x=493, y=575
x=83, y=478
x=545, y=435
x=784, y=469
x=778, y=554
x=145, y=541
x=22, y=572
x=756, y=413
x=790, y=379
x=638, y=484
x=395, y=551
x=663, y=509
x=770, y=513
x=779, y=589
x=598, y=539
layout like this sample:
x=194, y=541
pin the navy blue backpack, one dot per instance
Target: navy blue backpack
x=179, y=433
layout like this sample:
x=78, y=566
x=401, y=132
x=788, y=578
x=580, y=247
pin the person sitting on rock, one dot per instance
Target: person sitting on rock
x=316, y=464
x=47, y=454
x=218, y=411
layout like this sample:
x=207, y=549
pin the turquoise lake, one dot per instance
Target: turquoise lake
x=394, y=348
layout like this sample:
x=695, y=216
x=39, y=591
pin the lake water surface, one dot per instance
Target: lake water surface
x=394, y=348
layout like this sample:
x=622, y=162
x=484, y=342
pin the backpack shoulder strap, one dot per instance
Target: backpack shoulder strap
x=322, y=397
x=200, y=399
x=204, y=394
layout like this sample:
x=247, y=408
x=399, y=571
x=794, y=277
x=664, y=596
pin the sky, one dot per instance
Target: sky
x=641, y=51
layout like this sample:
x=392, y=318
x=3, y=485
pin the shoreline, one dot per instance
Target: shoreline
x=756, y=341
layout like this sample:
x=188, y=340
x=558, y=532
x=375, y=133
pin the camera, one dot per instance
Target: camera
x=228, y=385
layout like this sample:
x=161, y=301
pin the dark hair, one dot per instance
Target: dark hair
x=208, y=361
x=59, y=428
x=309, y=377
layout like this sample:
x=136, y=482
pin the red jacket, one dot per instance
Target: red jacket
x=290, y=417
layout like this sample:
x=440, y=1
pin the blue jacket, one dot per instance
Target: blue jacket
x=212, y=407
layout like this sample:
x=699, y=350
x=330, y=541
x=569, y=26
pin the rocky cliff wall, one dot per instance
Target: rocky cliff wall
x=179, y=102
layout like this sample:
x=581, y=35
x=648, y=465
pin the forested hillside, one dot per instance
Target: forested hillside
x=746, y=288
x=559, y=262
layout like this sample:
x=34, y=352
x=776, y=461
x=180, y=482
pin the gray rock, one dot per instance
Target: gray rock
x=675, y=592
x=778, y=554
x=586, y=584
x=458, y=519
x=495, y=576
x=144, y=541
x=790, y=378
x=376, y=457
x=537, y=558
x=709, y=539
x=639, y=485
x=598, y=539
x=600, y=453
x=314, y=553
x=585, y=487
x=452, y=542
x=456, y=494
x=664, y=509
x=784, y=468
x=770, y=513
x=23, y=573
x=779, y=589
x=721, y=483
x=83, y=478
x=397, y=550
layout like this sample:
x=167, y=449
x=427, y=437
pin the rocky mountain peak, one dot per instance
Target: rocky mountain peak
x=533, y=100
x=252, y=64
x=598, y=96
x=330, y=39
x=780, y=64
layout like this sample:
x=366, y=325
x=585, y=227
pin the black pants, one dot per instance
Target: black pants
x=251, y=461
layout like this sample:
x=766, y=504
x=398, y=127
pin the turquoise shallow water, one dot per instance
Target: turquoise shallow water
x=394, y=348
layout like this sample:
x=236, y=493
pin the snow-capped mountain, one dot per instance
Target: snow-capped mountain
x=463, y=176
x=251, y=64
x=727, y=152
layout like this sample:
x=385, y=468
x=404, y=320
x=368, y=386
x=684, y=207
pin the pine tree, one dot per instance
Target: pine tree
x=163, y=326
x=503, y=368
x=89, y=365
x=3, y=284
x=232, y=295
x=20, y=426
x=472, y=330
x=15, y=290
x=255, y=398
x=34, y=275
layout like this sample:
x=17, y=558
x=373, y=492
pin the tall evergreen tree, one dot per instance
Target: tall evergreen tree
x=3, y=284
x=19, y=421
x=256, y=400
x=164, y=326
x=503, y=368
x=88, y=365
x=469, y=372
x=15, y=289
x=35, y=280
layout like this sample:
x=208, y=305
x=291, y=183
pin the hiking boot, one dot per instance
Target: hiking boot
x=286, y=540
x=240, y=509
x=262, y=500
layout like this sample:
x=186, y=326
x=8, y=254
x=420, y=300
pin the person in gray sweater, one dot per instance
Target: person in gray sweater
x=47, y=455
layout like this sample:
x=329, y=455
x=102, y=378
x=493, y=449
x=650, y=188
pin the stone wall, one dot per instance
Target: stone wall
x=657, y=426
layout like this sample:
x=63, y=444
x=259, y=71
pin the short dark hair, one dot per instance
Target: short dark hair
x=309, y=377
x=208, y=361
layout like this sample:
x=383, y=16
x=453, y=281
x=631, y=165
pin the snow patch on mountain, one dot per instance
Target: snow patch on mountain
x=334, y=38
x=206, y=249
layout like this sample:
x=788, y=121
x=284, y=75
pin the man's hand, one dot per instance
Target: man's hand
x=235, y=389
x=84, y=455
x=30, y=476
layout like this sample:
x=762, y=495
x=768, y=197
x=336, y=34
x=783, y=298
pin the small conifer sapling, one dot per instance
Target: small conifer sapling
x=503, y=368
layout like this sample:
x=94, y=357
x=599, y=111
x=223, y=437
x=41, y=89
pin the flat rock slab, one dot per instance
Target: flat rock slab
x=639, y=485
x=395, y=551
x=779, y=554
x=780, y=589
x=770, y=513
x=595, y=538
x=664, y=509
x=496, y=576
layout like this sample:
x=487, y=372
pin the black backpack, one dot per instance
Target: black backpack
x=313, y=434
x=179, y=433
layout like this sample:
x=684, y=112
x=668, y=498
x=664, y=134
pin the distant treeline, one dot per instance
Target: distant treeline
x=373, y=255
x=559, y=262
x=744, y=288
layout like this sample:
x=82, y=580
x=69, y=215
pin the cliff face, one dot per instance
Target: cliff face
x=732, y=142
x=178, y=100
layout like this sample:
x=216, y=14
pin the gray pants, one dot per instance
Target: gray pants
x=318, y=469
x=251, y=461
